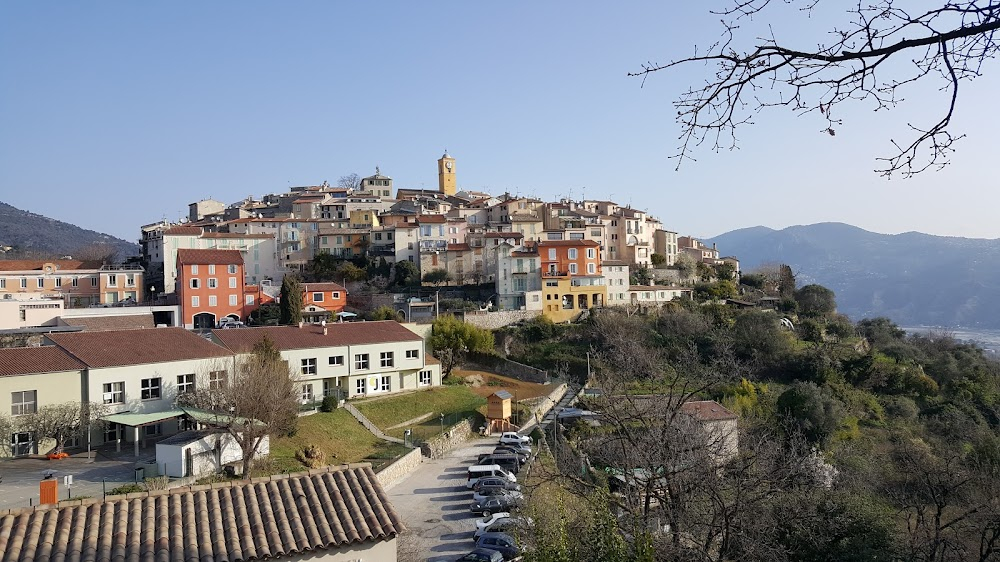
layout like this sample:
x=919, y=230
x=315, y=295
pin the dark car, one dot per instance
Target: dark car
x=523, y=457
x=510, y=463
x=501, y=542
x=482, y=555
x=493, y=483
x=494, y=505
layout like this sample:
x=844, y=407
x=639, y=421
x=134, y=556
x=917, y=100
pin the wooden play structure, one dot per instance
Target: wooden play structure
x=498, y=409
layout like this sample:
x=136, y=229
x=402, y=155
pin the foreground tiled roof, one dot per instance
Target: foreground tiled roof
x=217, y=257
x=104, y=323
x=239, y=521
x=32, y=360
x=137, y=347
x=311, y=336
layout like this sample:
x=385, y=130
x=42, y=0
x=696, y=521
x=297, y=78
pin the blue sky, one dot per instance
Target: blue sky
x=116, y=114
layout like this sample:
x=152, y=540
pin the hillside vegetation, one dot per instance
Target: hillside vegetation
x=33, y=236
x=856, y=442
x=913, y=278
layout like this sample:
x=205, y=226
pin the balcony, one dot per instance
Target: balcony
x=554, y=273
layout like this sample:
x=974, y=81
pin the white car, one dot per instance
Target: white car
x=514, y=438
x=487, y=521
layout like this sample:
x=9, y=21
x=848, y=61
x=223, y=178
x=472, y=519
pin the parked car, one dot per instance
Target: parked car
x=496, y=482
x=518, y=448
x=481, y=495
x=506, y=524
x=477, y=472
x=510, y=463
x=514, y=437
x=501, y=542
x=482, y=555
x=493, y=505
x=522, y=457
x=487, y=521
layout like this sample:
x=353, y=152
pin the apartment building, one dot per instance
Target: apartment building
x=518, y=278
x=211, y=287
x=616, y=275
x=349, y=360
x=78, y=284
x=259, y=251
x=322, y=301
x=572, y=280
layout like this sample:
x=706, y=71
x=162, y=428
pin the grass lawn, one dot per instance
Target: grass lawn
x=455, y=402
x=337, y=434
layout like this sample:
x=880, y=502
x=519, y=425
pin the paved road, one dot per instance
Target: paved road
x=21, y=477
x=434, y=504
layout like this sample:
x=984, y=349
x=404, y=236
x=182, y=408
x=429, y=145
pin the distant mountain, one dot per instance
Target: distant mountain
x=912, y=278
x=35, y=236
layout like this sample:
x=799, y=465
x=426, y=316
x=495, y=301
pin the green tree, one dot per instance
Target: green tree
x=816, y=301
x=351, y=272
x=786, y=281
x=880, y=331
x=639, y=275
x=437, y=276
x=404, y=273
x=323, y=267
x=451, y=339
x=812, y=410
x=658, y=260
x=291, y=300
x=383, y=313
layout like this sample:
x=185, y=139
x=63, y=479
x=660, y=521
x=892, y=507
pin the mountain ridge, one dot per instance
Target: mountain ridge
x=34, y=235
x=914, y=278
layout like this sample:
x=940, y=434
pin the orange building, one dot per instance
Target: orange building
x=78, y=283
x=210, y=287
x=571, y=278
x=322, y=301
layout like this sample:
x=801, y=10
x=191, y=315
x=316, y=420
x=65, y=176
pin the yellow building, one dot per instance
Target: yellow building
x=364, y=218
x=564, y=298
x=446, y=174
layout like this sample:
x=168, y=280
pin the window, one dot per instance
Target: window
x=195, y=302
x=185, y=383
x=152, y=430
x=590, y=253
x=75, y=282
x=309, y=366
x=425, y=378
x=3, y=283
x=361, y=361
x=336, y=360
x=216, y=380
x=232, y=282
x=232, y=269
x=234, y=300
x=335, y=295
x=41, y=282
x=211, y=269
x=150, y=389
x=24, y=282
x=572, y=269
x=113, y=432
x=552, y=253
x=112, y=280
x=384, y=384
x=23, y=402
x=194, y=269
x=249, y=300
x=114, y=392
x=413, y=354
x=386, y=359
x=595, y=232
x=195, y=283
x=306, y=393
x=58, y=281
x=129, y=280
x=359, y=386
x=571, y=253
x=93, y=281
x=212, y=301
x=317, y=297
x=591, y=268
x=213, y=283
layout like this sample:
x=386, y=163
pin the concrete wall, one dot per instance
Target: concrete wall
x=401, y=468
x=507, y=368
x=454, y=437
x=499, y=319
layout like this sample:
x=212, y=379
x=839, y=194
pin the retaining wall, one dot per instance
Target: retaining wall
x=507, y=368
x=454, y=437
x=500, y=318
x=401, y=468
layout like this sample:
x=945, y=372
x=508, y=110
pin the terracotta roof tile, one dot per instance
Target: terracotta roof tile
x=552, y=243
x=237, y=235
x=311, y=336
x=33, y=360
x=253, y=520
x=32, y=265
x=183, y=231
x=310, y=287
x=137, y=347
x=217, y=257
x=104, y=323
x=431, y=219
x=458, y=247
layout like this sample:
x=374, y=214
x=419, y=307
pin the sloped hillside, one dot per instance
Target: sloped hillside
x=33, y=235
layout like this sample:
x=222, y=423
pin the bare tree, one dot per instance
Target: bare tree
x=61, y=422
x=350, y=181
x=948, y=42
x=255, y=400
x=99, y=252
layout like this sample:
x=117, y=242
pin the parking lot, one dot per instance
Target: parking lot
x=434, y=504
x=19, y=487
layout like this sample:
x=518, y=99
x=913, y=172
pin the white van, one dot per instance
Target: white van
x=485, y=470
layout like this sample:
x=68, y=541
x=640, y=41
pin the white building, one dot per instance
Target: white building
x=518, y=273
x=259, y=254
x=616, y=276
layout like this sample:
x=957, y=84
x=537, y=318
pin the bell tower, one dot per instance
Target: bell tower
x=446, y=174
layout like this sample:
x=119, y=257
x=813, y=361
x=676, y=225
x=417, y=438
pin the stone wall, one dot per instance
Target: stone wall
x=500, y=318
x=399, y=469
x=506, y=367
x=454, y=437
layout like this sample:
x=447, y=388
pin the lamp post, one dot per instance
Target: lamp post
x=442, y=423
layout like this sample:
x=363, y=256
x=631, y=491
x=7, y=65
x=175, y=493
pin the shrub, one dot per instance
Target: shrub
x=157, y=483
x=329, y=404
x=126, y=489
x=311, y=456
